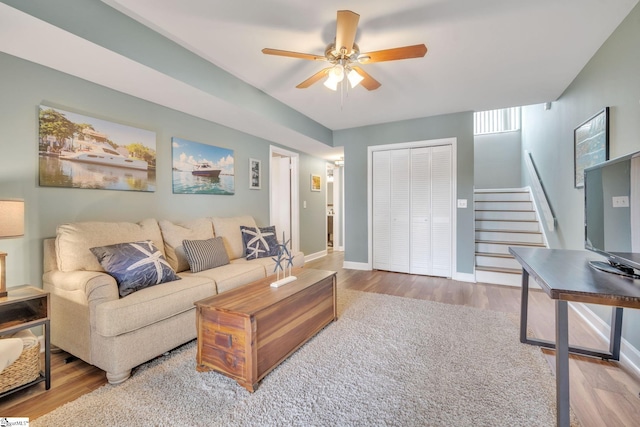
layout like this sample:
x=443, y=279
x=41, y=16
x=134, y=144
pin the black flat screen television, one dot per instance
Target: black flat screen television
x=612, y=214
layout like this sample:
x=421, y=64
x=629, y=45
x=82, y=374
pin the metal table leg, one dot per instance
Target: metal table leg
x=562, y=363
x=524, y=306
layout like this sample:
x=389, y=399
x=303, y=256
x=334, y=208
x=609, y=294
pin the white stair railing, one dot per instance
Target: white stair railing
x=538, y=190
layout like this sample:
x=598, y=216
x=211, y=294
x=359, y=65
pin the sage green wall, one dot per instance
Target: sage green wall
x=313, y=218
x=611, y=79
x=25, y=85
x=497, y=160
x=356, y=141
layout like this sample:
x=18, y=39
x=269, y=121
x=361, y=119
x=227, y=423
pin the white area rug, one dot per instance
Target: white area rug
x=386, y=361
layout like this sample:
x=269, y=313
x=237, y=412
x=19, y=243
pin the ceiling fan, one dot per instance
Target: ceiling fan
x=345, y=57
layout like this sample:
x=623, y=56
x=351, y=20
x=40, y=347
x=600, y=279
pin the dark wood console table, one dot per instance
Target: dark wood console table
x=565, y=275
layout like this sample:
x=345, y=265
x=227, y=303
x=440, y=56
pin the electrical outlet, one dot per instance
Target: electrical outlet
x=462, y=203
x=620, y=202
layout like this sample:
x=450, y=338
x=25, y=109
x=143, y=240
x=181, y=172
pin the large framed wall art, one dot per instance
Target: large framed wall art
x=79, y=151
x=590, y=144
x=202, y=169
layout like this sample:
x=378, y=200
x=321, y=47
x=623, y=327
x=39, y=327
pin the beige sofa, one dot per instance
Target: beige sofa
x=90, y=320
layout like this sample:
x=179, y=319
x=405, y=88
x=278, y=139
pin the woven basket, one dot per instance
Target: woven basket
x=24, y=370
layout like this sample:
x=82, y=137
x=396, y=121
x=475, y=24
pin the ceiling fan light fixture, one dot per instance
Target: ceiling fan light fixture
x=331, y=83
x=337, y=72
x=336, y=75
x=354, y=78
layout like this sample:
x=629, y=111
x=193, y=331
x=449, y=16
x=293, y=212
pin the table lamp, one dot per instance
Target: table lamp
x=11, y=225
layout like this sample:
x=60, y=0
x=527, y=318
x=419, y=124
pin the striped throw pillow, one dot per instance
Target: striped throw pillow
x=205, y=254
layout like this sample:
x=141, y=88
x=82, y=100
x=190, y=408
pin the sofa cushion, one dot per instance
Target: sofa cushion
x=151, y=305
x=175, y=234
x=205, y=254
x=268, y=263
x=259, y=242
x=74, y=241
x=231, y=276
x=135, y=265
x=229, y=229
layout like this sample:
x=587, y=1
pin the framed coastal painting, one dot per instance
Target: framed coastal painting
x=79, y=151
x=201, y=168
x=590, y=144
x=315, y=183
x=254, y=174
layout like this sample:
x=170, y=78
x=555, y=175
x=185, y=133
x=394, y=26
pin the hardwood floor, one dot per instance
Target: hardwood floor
x=602, y=393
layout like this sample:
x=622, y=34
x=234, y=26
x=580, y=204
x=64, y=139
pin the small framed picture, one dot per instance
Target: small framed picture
x=315, y=183
x=255, y=181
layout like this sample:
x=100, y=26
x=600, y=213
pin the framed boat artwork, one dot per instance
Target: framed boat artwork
x=201, y=168
x=80, y=151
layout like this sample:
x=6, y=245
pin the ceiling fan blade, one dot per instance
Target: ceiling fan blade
x=406, y=52
x=368, y=82
x=313, y=79
x=347, y=25
x=290, y=54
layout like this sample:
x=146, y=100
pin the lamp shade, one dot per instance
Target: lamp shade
x=11, y=218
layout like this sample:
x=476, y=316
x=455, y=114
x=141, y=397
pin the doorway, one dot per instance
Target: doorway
x=284, y=209
x=335, y=205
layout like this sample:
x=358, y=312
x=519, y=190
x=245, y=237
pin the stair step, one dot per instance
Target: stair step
x=500, y=270
x=509, y=243
x=506, y=236
x=493, y=215
x=501, y=190
x=503, y=225
x=494, y=254
x=493, y=262
x=500, y=197
x=499, y=278
x=504, y=206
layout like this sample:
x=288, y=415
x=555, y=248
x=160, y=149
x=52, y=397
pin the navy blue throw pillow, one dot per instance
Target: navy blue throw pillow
x=135, y=265
x=259, y=242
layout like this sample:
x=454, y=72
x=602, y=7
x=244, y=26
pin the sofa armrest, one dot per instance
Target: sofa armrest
x=84, y=287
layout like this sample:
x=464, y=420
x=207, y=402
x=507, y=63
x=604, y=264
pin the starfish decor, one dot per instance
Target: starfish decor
x=284, y=255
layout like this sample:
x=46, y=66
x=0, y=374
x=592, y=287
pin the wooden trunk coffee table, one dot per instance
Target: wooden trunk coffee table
x=246, y=332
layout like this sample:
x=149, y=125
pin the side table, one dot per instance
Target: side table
x=26, y=307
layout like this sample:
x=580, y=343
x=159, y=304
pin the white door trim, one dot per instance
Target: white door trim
x=454, y=174
x=295, y=193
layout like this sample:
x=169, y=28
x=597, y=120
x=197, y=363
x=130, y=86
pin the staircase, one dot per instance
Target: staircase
x=504, y=218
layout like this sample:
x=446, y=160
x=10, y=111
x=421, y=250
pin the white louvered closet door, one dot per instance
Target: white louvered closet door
x=441, y=200
x=412, y=196
x=381, y=209
x=399, y=246
x=421, y=211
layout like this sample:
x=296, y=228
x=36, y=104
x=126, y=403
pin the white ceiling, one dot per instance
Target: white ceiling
x=481, y=55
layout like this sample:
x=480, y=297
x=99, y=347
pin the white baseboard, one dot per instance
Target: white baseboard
x=464, y=277
x=350, y=265
x=629, y=355
x=316, y=255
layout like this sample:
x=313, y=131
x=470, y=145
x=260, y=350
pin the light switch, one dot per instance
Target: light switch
x=304, y=204
x=462, y=203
